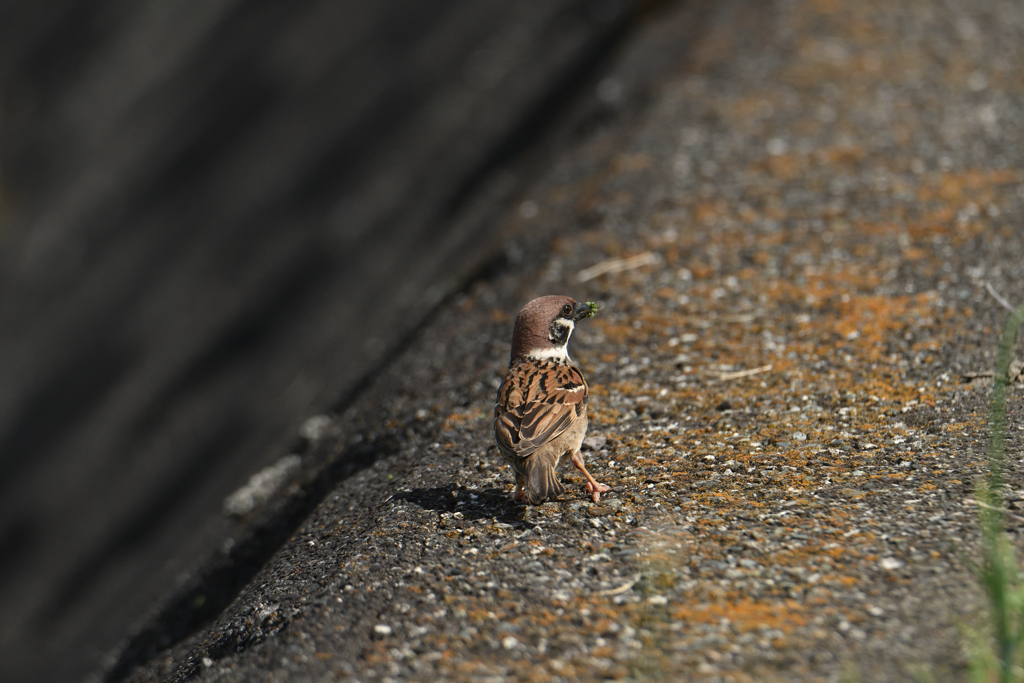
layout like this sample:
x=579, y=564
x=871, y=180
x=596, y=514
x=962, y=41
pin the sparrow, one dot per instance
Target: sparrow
x=541, y=411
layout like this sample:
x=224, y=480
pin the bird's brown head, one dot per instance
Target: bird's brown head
x=544, y=326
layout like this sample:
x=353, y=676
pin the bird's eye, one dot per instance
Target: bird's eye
x=567, y=310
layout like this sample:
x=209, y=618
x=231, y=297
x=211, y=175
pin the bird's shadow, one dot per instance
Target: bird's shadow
x=474, y=504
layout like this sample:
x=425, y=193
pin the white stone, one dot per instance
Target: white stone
x=890, y=564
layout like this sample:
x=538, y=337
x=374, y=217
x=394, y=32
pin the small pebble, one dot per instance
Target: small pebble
x=889, y=563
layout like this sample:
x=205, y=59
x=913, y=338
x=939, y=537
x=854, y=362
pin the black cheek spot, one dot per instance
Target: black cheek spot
x=559, y=333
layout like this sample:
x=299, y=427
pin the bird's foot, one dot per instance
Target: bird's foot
x=596, y=489
x=593, y=487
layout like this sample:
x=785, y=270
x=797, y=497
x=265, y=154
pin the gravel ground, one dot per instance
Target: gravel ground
x=783, y=391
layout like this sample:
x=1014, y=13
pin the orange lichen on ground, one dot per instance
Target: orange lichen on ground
x=821, y=333
x=461, y=417
x=744, y=615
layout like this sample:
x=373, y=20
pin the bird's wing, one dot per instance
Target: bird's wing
x=536, y=403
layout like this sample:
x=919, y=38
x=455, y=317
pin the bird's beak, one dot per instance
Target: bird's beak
x=582, y=311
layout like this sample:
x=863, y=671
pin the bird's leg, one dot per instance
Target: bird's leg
x=520, y=491
x=593, y=487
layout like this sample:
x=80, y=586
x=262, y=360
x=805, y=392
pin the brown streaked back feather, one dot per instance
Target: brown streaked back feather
x=536, y=403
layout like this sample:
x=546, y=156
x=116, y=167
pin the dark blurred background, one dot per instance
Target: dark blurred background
x=215, y=219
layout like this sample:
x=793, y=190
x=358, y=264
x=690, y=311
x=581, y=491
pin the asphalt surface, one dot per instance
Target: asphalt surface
x=791, y=245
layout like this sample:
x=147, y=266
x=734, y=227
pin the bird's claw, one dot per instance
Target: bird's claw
x=596, y=490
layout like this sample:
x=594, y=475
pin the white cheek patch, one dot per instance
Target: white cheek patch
x=565, y=322
x=555, y=352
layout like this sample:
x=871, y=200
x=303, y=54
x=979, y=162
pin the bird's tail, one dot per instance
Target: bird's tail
x=542, y=483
